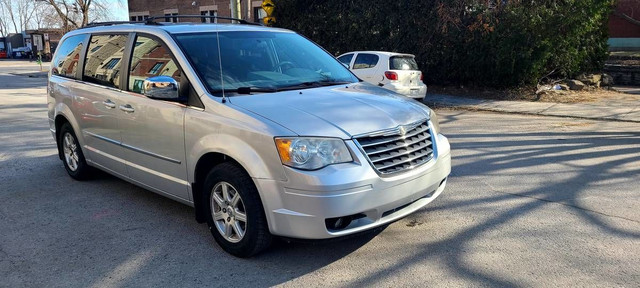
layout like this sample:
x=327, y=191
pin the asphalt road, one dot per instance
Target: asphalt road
x=532, y=201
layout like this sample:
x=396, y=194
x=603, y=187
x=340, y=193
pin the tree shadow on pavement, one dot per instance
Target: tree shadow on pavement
x=11, y=82
x=616, y=156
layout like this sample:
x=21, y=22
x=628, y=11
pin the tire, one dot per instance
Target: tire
x=72, y=156
x=237, y=237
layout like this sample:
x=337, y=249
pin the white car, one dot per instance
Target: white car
x=394, y=71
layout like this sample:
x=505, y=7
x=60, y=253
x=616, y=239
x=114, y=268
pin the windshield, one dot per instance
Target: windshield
x=402, y=63
x=258, y=61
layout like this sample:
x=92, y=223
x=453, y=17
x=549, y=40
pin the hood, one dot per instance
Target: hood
x=338, y=111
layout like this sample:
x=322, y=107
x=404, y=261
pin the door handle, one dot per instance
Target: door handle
x=109, y=104
x=127, y=108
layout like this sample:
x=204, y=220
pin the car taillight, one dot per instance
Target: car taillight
x=391, y=75
x=421, y=76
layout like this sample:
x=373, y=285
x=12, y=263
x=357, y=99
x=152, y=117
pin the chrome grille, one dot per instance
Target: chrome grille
x=398, y=150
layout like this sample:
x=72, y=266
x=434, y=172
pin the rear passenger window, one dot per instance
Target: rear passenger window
x=402, y=63
x=346, y=59
x=364, y=61
x=66, y=61
x=150, y=58
x=104, y=59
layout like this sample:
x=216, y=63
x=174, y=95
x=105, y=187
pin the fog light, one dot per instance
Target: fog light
x=338, y=223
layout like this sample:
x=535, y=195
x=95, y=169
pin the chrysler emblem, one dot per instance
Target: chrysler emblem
x=401, y=130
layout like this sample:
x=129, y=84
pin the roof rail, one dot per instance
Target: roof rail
x=152, y=20
x=109, y=23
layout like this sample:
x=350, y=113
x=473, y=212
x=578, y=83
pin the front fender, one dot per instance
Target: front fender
x=260, y=161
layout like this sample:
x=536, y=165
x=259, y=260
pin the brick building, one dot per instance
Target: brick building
x=624, y=28
x=141, y=9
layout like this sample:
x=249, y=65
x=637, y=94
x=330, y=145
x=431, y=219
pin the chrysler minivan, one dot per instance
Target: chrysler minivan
x=259, y=129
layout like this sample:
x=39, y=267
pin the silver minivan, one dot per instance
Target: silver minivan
x=259, y=129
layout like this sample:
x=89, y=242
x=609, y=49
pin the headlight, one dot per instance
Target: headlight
x=310, y=153
x=436, y=122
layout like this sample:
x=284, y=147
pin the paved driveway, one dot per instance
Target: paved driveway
x=532, y=201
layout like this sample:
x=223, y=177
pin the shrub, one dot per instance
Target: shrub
x=510, y=43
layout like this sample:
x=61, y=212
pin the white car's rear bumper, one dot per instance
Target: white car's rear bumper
x=416, y=92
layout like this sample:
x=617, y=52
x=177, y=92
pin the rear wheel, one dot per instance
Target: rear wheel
x=73, y=158
x=235, y=214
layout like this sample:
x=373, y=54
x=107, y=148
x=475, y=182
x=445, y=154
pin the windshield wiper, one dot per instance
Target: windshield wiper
x=312, y=84
x=248, y=90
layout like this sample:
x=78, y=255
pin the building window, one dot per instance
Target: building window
x=171, y=19
x=139, y=18
x=258, y=14
x=112, y=63
x=155, y=68
x=209, y=13
x=94, y=49
x=137, y=86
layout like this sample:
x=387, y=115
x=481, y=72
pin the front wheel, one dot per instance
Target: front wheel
x=235, y=215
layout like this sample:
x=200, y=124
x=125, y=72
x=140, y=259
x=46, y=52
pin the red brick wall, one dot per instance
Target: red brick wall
x=622, y=28
x=185, y=7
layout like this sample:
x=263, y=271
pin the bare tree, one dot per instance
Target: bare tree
x=78, y=13
x=19, y=12
x=4, y=24
x=19, y=15
x=8, y=12
x=67, y=12
x=44, y=16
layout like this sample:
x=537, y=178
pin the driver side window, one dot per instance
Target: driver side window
x=150, y=58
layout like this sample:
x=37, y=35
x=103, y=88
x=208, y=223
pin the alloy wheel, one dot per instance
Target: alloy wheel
x=70, y=149
x=228, y=212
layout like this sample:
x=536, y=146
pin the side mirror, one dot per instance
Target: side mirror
x=161, y=87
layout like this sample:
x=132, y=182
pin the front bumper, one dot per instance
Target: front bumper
x=298, y=207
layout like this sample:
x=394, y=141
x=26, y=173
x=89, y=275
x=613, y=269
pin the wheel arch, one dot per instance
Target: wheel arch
x=204, y=164
x=258, y=160
x=63, y=114
x=59, y=121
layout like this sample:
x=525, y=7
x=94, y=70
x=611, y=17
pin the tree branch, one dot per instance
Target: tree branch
x=65, y=19
x=627, y=17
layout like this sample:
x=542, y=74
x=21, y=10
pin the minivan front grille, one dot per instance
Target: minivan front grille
x=400, y=149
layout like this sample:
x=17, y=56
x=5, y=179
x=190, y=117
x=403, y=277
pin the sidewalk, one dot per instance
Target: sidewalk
x=20, y=63
x=624, y=108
